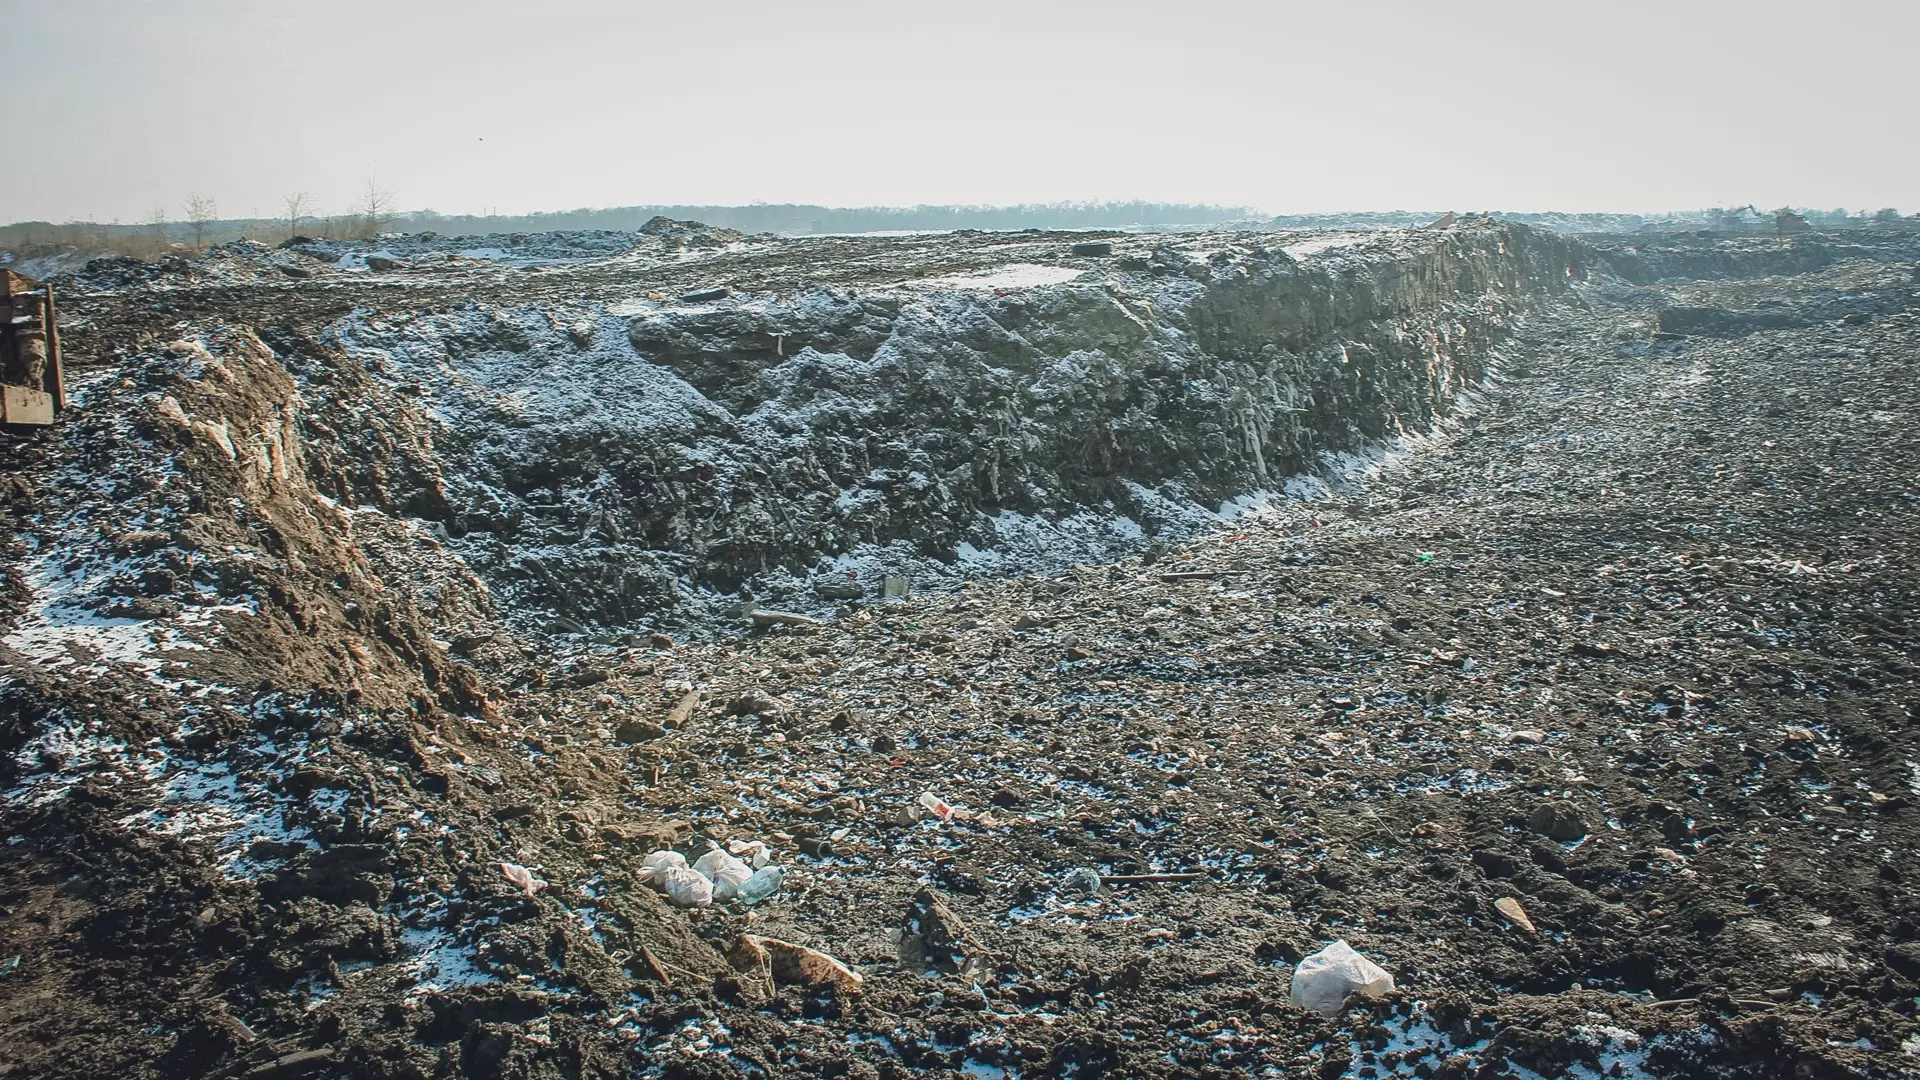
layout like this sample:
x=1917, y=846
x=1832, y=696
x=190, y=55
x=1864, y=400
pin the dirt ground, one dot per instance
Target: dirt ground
x=1631, y=643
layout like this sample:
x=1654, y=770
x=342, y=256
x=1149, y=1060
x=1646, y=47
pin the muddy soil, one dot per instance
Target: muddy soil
x=1633, y=646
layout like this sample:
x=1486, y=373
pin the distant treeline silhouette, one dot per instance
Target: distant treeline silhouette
x=787, y=218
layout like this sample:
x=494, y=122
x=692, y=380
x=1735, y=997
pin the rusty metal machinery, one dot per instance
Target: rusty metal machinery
x=31, y=389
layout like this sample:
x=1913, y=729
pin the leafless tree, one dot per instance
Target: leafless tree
x=200, y=214
x=297, y=205
x=375, y=209
x=157, y=220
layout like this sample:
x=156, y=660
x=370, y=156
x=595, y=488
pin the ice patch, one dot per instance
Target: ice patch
x=59, y=631
x=441, y=963
x=1301, y=249
x=1010, y=276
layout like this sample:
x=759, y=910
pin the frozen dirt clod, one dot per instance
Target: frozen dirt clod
x=275, y=707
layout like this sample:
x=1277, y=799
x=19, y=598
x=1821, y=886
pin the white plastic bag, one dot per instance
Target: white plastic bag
x=1322, y=981
x=726, y=872
x=686, y=888
x=653, y=871
x=753, y=852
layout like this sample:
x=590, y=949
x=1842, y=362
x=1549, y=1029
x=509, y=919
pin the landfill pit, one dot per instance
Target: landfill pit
x=1090, y=639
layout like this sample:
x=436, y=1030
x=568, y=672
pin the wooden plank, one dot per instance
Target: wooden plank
x=56, y=379
x=23, y=405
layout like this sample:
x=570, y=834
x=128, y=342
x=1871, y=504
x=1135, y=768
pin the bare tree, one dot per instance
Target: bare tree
x=200, y=214
x=157, y=220
x=375, y=209
x=297, y=206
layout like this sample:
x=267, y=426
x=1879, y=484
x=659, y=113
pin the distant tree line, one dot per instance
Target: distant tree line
x=199, y=224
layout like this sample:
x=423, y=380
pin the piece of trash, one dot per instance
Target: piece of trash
x=1080, y=881
x=936, y=806
x=893, y=587
x=764, y=883
x=726, y=872
x=686, y=888
x=765, y=618
x=1515, y=914
x=653, y=870
x=8, y=966
x=790, y=963
x=700, y=296
x=1426, y=556
x=1323, y=981
x=522, y=877
x=753, y=852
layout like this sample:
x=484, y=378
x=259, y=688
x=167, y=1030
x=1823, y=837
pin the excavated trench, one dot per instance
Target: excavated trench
x=645, y=462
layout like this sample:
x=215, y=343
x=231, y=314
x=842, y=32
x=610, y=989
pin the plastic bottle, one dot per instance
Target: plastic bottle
x=764, y=883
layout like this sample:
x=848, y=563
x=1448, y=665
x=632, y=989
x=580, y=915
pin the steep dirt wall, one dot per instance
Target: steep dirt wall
x=616, y=469
x=173, y=510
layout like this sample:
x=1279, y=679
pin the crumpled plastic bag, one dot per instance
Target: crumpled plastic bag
x=1322, y=981
x=726, y=872
x=653, y=870
x=752, y=852
x=686, y=888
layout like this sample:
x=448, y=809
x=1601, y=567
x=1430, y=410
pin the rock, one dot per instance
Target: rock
x=1092, y=247
x=1560, y=821
x=1527, y=738
x=638, y=731
x=1904, y=959
x=839, y=590
x=932, y=938
x=754, y=703
x=1081, y=881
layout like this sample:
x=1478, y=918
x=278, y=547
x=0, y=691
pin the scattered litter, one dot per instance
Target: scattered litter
x=1323, y=981
x=794, y=964
x=1515, y=914
x=937, y=806
x=686, y=888
x=522, y=877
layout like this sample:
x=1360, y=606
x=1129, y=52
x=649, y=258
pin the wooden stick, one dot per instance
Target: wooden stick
x=678, y=715
x=653, y=964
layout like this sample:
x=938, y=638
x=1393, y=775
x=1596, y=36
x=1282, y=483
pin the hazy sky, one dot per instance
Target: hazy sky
x=116, y=106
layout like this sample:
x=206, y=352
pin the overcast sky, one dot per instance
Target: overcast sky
x=118, y=106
